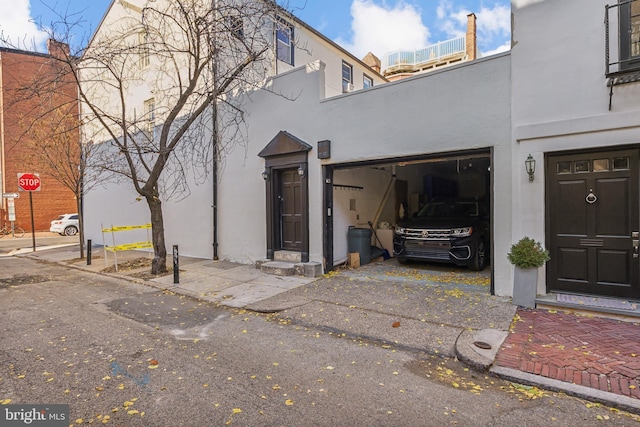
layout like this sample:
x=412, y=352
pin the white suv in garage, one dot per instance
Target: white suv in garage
x=65, y=225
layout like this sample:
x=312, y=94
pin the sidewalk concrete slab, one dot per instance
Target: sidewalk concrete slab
x=358, y=323
x=184, y=277
x=282, y=282
x=207, y=287
x=246, y=293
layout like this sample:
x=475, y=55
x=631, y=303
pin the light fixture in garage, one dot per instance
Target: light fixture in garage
x=530, y=166
x=301, y=171
x=265, y=175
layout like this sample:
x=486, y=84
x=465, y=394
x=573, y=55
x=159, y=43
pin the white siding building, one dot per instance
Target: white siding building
x=575, y=109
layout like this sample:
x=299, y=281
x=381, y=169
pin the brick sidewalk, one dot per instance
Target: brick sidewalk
x=599, y=353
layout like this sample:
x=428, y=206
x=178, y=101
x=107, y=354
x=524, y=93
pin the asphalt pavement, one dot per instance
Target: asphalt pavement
x=430, y=309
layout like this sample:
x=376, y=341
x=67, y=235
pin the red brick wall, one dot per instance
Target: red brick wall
x=22, y=112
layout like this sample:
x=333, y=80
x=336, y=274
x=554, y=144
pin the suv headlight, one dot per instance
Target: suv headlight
x=400, y=230
x=461, y=232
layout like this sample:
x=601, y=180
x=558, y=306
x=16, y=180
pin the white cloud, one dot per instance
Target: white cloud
x=17, y=27
x=494, y=22
x=502, y=48
x=380, y=29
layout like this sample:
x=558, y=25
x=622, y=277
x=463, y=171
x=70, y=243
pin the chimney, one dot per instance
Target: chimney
x=58, y=49
x=471, y=37
x=372, y=61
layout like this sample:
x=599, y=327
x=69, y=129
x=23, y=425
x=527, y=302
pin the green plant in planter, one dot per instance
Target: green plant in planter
x=527, y=253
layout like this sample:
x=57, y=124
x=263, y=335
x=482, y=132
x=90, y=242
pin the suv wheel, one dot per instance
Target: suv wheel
x=70, y=230
x=480, y=258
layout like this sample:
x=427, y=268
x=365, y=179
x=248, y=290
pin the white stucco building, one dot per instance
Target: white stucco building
x=576, y=108
x=335, y=155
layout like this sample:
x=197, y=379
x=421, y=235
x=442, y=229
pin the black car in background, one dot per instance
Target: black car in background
x=454, y=231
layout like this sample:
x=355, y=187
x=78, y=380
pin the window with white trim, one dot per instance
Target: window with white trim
x=236, y=26
x=367, y=82
x=347, y=77
x=284, y=41
x=144, y=49
x=150, y=117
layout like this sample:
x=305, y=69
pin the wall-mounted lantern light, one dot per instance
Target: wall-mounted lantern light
x=265, y=175
x=530, y=166
x=301, y=171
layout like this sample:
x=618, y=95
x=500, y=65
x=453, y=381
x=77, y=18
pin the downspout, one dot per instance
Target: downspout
x=214, y=118
x=214, y=137
x=274, y=36
x=83, y=167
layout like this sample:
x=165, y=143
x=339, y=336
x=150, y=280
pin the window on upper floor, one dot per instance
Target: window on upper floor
x=236, y=26
x=284, y=40
x=622, y=23
x=144, y=49
x=367, y=82
x=347, y=77
x=150, y=117
x=630, y=34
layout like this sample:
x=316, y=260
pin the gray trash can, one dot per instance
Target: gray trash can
x=359, y=240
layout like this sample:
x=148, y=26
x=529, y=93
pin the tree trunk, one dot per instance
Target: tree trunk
x=159, y=263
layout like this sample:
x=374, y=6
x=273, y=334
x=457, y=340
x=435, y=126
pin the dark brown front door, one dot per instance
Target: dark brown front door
x=289, y=195
x=593, y=223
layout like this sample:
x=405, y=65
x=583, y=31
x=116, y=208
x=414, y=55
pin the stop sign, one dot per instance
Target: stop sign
x=29, y=182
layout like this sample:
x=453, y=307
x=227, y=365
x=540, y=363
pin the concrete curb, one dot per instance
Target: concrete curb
x=475, y=357
x=606, y=398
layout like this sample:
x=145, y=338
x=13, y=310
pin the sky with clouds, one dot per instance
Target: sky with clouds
x=360, y=26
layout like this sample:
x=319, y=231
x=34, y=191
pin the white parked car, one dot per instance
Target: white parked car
x=65, y=225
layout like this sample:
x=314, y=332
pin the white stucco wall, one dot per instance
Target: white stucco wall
x=560, y=98
x=462, y=108
x=366, y=187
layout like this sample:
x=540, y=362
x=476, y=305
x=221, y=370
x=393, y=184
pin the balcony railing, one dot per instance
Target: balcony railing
x=622, y=44
x=622, y=38
x=413, y=60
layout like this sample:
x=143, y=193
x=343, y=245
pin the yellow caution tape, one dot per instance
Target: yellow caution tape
x=129, y=246
x=125, y=228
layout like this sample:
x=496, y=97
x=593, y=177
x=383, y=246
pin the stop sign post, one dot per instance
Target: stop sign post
x=30, y=182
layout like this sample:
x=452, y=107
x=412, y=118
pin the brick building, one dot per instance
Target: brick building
x=32, y=111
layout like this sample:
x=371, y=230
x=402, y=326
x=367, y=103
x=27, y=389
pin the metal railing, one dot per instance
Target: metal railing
x=414, y=59
x=622, y=39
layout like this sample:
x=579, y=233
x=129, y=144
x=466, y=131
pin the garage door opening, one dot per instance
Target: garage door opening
x=382, y=195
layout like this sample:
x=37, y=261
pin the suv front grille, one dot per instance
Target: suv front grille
x=427, y=234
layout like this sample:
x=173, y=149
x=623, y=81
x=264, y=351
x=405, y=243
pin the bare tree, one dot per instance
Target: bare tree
x=54, y=147
x=158, y=87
